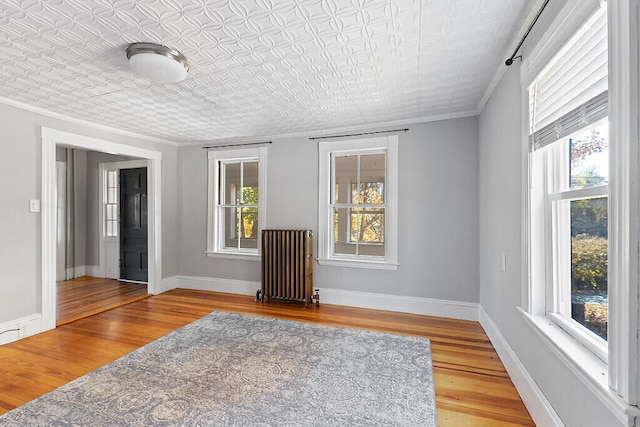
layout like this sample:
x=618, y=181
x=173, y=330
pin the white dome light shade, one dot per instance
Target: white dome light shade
x=157, y=63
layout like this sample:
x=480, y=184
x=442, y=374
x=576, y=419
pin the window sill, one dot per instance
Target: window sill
x=589, y=368
x=234, y=255
x=582, y=361
x=358, y=263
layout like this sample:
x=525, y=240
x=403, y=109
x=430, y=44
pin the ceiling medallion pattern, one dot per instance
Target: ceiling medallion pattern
x=265, y=67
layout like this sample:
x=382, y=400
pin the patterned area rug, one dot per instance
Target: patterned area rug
x=236, y=370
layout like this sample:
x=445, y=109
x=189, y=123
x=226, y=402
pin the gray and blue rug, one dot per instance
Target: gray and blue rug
x=236, y=370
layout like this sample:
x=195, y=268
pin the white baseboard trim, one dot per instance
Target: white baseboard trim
x=415, y=305
x=71, y=273
x=94, y=271
x=20, y=328
x=166, y=284
x=539, y=407
x=230, y=286
x=77, y=271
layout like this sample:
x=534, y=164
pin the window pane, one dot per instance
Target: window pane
x=112, y=212
x=250, y=225
x=250, y=181
x=112, y=195
x=589, y=157
x=346, y=173
x=372, y=167
x=367, y=193
x=231, y=220
x=341, y=232
x=250, y=196
x=589, y=301
x=241, y=228
x=367, y=225
x=112, y=179
x=112, y=228
x=231, y=175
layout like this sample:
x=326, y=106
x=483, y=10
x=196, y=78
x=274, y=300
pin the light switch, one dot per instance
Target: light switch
x=34, y=205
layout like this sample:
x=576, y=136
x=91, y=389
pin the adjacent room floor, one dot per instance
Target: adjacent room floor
x=86, y=296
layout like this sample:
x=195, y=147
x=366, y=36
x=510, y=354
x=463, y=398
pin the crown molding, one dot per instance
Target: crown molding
x=48, y=113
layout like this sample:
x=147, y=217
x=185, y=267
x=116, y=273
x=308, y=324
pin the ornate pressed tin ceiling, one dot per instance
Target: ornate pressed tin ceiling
x=257, y=68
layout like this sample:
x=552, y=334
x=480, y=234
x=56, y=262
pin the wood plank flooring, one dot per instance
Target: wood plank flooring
x=472, y=387
x=86, y=296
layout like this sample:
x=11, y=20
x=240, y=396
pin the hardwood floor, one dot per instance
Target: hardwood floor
x=86, y=296
x=472, y=387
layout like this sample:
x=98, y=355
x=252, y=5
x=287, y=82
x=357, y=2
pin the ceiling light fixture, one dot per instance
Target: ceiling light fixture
x=157, y=62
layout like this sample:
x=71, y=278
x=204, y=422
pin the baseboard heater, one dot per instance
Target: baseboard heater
x=287, y=266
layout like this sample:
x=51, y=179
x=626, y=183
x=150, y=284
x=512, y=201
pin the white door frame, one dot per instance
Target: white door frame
x=51, y=138
x=110, y=166
x=61, y=220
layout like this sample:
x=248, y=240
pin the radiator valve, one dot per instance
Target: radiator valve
x=316, y=297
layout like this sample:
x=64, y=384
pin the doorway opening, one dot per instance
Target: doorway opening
x=98, y=213
x=149, y=243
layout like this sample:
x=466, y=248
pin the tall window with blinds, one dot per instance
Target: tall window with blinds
x=569, y=139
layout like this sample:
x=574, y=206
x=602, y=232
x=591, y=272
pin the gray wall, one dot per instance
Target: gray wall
x=87, y=192
x=501, y=225
x=80, y=207
x=20, y=230
x=438, y=213
x=76, y=171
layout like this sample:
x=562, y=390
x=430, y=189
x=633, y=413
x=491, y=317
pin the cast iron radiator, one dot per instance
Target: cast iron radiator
x=287, y=266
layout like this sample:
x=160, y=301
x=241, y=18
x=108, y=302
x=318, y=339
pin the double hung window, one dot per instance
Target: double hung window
x=236, y=201
x=358, y=199
x=569, y=139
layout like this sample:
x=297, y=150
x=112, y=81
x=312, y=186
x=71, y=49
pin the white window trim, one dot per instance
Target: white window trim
x=214, y=233
x=624, y=205
x=325, y=218
x=615, y=383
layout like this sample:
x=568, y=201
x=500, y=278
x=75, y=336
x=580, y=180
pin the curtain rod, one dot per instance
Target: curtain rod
x=509, y=61
x=359, y=134
x=236, y=145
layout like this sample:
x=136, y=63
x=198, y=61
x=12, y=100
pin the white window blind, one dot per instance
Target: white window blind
x=571, y=91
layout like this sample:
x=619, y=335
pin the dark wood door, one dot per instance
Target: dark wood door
x=133, y=225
